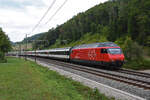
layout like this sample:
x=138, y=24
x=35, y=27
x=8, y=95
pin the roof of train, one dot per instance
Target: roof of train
x=55, y=49
x=94, y=45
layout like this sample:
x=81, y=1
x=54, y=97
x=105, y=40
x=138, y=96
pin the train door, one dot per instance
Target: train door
x=103, y=54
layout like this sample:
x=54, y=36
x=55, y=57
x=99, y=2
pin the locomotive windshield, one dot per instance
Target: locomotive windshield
x=114, y=51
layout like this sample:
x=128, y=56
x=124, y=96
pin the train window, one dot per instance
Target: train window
x=114, y=51
x=103, y=50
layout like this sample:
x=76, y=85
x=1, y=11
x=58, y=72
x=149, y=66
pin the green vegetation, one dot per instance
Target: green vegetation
x=134, y=54
x=136, y=65
x=25, y=80
x=5, y=45
x=29, y=40
x=32, y=38
x=22, y=46
x=87, y=38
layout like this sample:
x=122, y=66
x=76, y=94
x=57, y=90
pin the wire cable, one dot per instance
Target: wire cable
x=56, y=12
x=44, y=15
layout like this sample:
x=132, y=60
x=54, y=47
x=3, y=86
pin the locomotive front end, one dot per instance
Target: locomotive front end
x=116, y=57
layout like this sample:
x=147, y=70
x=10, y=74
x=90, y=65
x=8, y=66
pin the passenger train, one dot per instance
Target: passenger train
x=105, y=54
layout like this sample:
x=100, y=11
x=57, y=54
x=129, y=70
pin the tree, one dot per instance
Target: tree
x=5, y=45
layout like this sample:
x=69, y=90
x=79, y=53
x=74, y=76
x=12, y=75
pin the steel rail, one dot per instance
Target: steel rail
x=142, y=74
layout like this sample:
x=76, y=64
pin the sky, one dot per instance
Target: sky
x=19, y=17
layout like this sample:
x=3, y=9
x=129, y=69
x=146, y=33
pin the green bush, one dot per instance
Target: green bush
x=138, y=65
x=134, y=54
x=132, y=50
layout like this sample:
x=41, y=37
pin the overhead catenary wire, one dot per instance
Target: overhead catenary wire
x=44, y=15
x=56, y=11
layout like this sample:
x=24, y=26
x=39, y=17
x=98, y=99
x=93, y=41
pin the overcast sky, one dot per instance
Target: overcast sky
x=18, y=17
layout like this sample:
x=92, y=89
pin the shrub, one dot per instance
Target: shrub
x=132, y=50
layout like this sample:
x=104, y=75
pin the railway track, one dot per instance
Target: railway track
x=124, y=79
x=132, y=72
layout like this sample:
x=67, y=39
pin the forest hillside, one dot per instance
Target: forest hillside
x=114, y=20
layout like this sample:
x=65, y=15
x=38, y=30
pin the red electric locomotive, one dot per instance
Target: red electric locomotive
x=105, y=54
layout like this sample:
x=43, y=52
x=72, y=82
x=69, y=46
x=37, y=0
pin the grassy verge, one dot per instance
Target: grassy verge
x=25, y=80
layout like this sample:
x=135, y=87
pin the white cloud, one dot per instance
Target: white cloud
x=16, y=22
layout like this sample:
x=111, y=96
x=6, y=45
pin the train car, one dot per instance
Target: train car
x=57, y=53
x=106, y=54
x=60, y=53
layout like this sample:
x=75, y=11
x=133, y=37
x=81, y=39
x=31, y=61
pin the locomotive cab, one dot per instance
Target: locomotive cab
x=115, y=56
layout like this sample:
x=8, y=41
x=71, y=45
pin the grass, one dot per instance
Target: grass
x=25, y=80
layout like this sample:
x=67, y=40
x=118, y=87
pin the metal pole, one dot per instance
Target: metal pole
x=35, y=55
x=19, y=50
x=35, y=51
x=26, y=49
